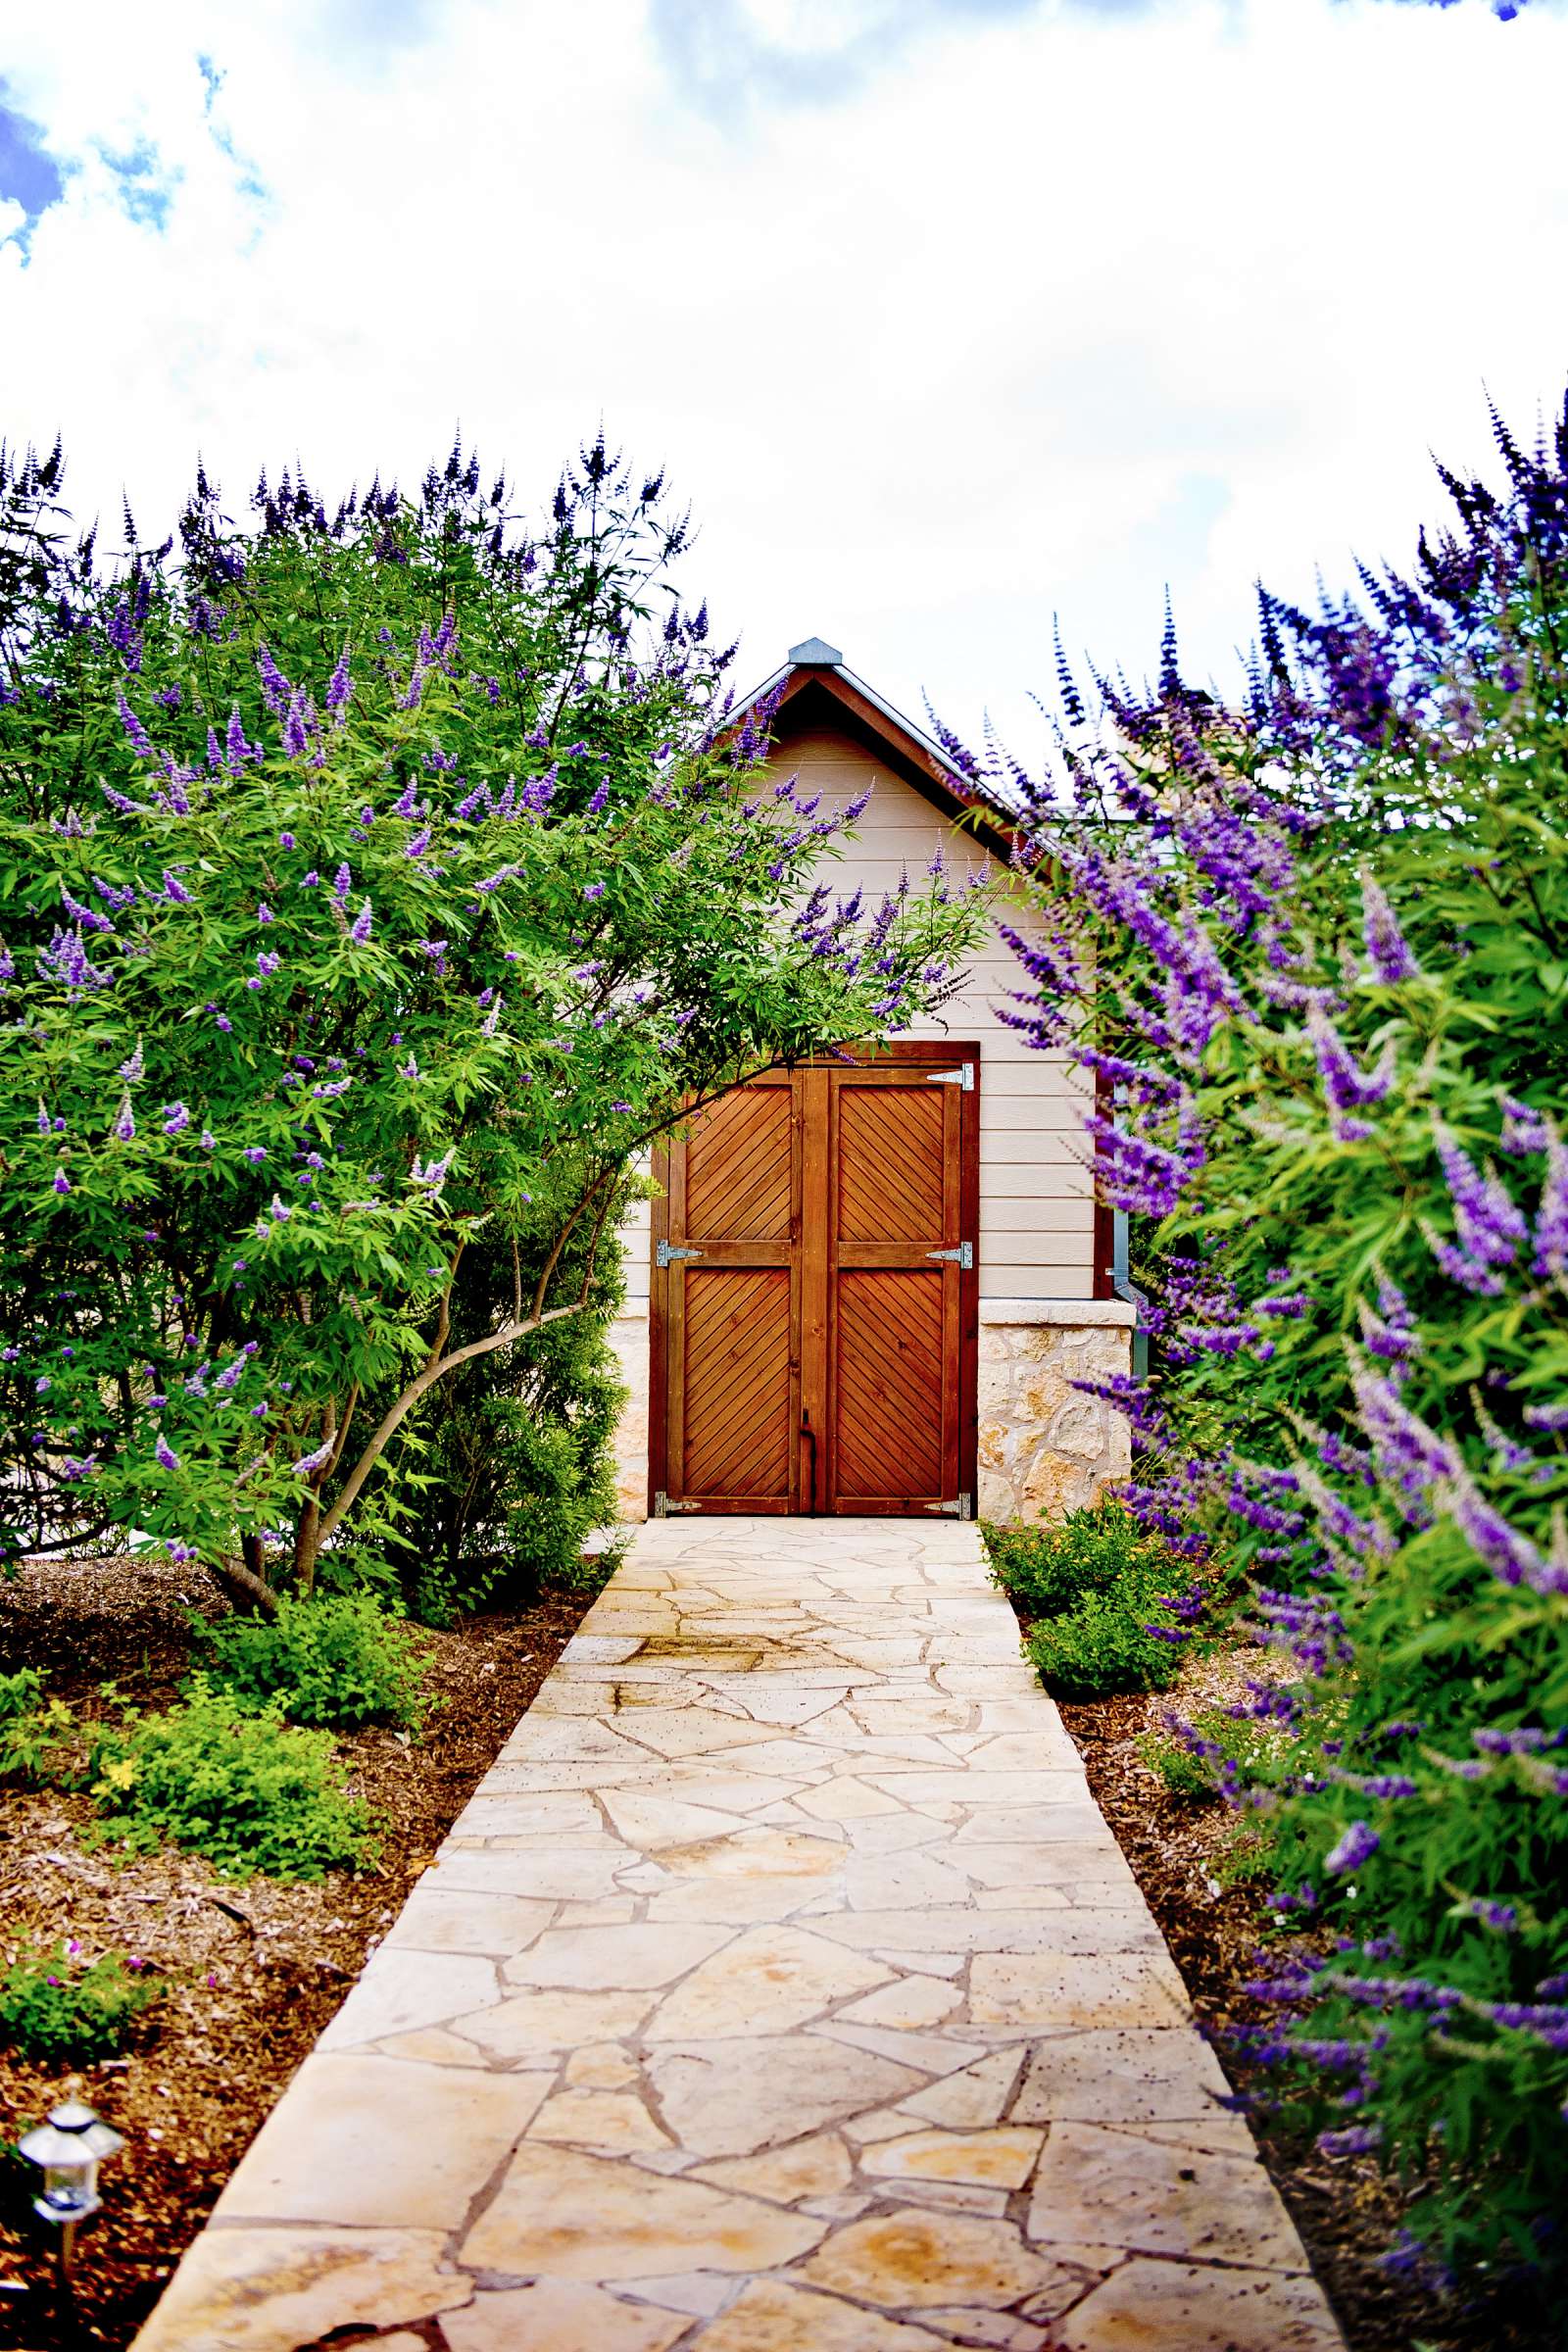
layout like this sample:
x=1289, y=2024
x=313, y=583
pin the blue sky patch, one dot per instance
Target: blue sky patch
x=146, y=186
x=28, y=174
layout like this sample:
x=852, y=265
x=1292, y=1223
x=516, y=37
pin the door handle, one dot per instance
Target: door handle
x=810, y=1434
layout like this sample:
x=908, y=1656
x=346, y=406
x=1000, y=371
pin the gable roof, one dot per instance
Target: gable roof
x=814, y=683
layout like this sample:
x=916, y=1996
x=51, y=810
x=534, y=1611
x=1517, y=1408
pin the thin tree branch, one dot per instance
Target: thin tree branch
x=349, y=1411
x=433, y=1371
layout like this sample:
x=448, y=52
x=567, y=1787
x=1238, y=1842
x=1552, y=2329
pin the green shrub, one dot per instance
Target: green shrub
x=1044, y=1569
x=1103, y=1598
x=326, y=1658
x=33, y=1733
x=1199, y=1756
x=467, y=895
x=1185, y=1771
x=591, y=1571
x=54, y=2006
x=1102, y=1644
x=252, y=1793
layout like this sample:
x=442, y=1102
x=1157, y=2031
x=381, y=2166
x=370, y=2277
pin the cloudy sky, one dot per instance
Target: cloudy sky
x=947, y=314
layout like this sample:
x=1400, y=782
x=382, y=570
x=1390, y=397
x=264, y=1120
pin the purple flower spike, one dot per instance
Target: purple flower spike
x=1391, y=959
x=276, y=689
x=1490, y=1225
x=296, y=727
x=1357, y=1846
x=237, y=750
x=165, y=1455
x=1523, y=1128
x=62, y=1182
x=360, y=929
x=1551, y=1216
x=1505, y=1549
x=1346, y=1085
x=1356, y=2139
x=136, y=734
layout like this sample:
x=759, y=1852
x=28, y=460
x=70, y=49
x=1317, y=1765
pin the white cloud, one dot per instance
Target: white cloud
x=1035, y=312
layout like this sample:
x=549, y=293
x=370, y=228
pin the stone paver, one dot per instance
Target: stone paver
x=781, y=1987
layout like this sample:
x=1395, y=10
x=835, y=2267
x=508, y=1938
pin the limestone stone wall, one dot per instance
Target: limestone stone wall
x=1044, y=1446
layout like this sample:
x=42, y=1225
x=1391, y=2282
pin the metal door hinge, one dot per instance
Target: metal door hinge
x=667, y=1252
x=963, y=1078
x=960, y=1507
x=962, y=1255
x=664, y=1503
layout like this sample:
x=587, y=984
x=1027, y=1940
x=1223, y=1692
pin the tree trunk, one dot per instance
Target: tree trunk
x=306, y=1544
x=243, y=1581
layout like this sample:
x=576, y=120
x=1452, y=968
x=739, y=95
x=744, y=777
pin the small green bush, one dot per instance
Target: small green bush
x=325, y=1658
x=33, y=1733
x=1102, y=1644
x=1046, y=1568
x=254, y=1794
x=1104, y=1600
x=1187, y=1754
x=1200, y=1755
x=54, y=2006
x=1185, y=1773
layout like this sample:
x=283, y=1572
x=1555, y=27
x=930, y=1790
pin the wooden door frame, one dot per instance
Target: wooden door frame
x=938, y=1053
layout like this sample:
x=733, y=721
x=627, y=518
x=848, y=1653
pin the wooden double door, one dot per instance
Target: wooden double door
x=815, y=1292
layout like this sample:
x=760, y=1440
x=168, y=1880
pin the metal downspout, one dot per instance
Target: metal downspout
x=1123, y=1287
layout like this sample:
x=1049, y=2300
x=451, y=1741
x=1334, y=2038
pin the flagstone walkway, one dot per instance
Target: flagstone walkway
x=781, y=1987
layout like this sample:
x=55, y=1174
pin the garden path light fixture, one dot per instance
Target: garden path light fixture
x=68, y=2149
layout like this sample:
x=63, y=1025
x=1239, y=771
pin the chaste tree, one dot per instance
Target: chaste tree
x=1311, y=951
x=376, y=885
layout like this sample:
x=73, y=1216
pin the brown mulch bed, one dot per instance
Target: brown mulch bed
x=1347, y=2212
x=251, y=1973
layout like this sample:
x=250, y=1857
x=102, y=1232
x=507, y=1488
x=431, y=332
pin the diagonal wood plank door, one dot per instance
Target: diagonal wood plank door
x=813, y=1330
x=731, y=1303
x=894, y=1353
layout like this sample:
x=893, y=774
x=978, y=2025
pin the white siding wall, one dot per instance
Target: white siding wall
x=1036, y=1205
